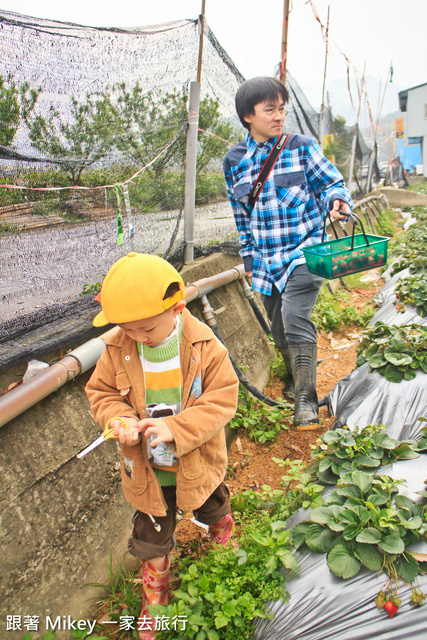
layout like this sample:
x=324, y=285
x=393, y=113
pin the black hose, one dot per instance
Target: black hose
x=244, y=381
x=259, y=316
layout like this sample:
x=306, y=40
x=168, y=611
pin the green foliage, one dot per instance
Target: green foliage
x=342, y=451
x=76, y=634
x=261, y=422
x=7, y=227
x=225, y=589
x=210, y=187
x=16, y=105
x=49, y=635
x=333, y=311
x=396, y=352
x=91, y=289
x=136, y=125
x=298, y=490
x=419, y=188
x=411, y=245
x=341, y=146
x=385, y=223
x=422, y=442
x=412, y=290
x=78, y=141
x=277, y=366
x=365, y=522
x=119, y=595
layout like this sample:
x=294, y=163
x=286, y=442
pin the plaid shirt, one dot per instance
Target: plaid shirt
x=290, y=209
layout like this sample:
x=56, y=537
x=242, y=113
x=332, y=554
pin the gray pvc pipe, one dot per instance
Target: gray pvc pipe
x=81, y=359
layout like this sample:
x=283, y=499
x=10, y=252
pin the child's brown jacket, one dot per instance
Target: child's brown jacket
x=116, y=388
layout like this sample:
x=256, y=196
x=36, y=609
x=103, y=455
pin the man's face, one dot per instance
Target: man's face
x=152, y=331
x=268, y=119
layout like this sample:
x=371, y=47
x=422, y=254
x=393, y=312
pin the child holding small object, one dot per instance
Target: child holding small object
x=170, y=379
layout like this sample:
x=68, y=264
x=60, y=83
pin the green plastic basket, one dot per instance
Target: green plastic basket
x=346, y=255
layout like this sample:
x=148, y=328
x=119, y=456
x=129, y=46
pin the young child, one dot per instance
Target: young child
x=167, y=375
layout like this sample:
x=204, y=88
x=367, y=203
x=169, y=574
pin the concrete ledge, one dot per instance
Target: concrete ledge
x=402, y=197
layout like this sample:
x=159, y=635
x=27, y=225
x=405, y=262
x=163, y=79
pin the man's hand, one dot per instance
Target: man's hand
x=130, y=437
x=157, y=426
x=249, y=273
x=340, y=209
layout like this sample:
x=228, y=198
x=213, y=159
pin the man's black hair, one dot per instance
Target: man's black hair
x=256, y=90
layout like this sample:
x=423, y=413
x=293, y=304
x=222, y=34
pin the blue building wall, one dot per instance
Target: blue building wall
x=409, y=155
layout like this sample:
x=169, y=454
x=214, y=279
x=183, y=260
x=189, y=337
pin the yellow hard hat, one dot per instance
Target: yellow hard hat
x=134, y=289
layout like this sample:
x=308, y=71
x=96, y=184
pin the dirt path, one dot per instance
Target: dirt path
x=252, y=463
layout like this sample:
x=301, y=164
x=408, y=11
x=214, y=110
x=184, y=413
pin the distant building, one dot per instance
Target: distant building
x=413, y=102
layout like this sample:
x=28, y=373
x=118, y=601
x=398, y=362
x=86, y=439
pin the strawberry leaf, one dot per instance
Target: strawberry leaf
x=369, y=556
x=362, y=480
x=342, y=562
x=318, y=538
x=392, y=544
x=407, y=567
x=298, y=534
x=369, y=536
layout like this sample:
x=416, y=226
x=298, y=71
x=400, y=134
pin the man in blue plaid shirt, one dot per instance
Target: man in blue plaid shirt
x=288, y=215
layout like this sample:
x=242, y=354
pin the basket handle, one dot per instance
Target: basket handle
x=354, y=218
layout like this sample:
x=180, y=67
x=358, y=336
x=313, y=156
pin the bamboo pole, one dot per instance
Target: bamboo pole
x=322, y=108
x=354, y=141
x=202, y=30
x=284, y=48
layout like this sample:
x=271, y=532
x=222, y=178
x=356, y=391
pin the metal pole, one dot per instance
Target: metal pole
x=284, y=49
x=191, y=153
x=190, y=172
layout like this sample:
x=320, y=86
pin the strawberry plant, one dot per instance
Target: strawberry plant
x=396, y=352
x=365, y=522
x=422, y=442
x=342, y=451
x=412, y=290
x=412, y=245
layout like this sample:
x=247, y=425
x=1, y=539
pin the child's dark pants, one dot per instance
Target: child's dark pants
x=147, y=543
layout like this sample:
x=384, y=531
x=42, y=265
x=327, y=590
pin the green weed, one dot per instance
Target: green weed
x=332, y=312
x=119, y=597
x=261, y=422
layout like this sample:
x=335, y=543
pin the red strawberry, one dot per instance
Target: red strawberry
x=391, y=608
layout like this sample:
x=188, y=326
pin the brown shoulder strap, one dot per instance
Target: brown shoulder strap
x=268, y=165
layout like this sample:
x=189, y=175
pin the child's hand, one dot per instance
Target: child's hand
x=130, y=437
x=157, y=426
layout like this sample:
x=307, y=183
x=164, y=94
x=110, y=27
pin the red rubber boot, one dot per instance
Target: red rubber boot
x=155, y=591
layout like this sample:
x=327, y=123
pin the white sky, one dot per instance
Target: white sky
x=371, y=32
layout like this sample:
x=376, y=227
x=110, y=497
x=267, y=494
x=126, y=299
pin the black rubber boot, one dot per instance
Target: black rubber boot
x=303, y=356
x=289, y=386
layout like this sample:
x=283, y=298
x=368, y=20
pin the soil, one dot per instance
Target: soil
x=250, y=463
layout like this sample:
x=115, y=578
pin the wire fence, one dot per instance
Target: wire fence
x=92, y=163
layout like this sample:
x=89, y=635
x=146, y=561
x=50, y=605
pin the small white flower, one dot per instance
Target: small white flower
x=324, y=447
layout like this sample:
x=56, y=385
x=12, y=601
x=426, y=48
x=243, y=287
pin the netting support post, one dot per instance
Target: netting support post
x=190, y=172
